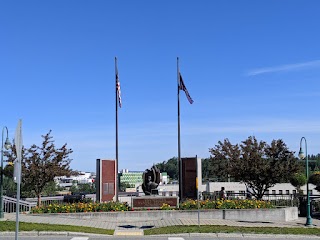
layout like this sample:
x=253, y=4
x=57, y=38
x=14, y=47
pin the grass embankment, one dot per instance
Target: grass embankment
x=11, y=226
x=231, y=229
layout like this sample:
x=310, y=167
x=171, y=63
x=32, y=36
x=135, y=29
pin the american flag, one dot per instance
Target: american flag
x=183, y=88
x=118, y=88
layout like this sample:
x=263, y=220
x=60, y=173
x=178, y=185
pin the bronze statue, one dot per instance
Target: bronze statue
x=151, y=180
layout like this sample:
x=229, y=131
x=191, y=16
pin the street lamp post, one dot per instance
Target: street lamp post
x=302, y=156
x=6, y=145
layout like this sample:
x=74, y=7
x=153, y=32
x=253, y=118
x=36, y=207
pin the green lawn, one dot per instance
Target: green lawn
x=230, y=229
x=11, y=226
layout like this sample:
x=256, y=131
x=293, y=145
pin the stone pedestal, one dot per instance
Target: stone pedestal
x=153, y=202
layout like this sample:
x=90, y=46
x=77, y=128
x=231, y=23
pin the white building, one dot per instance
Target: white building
x=81, y=178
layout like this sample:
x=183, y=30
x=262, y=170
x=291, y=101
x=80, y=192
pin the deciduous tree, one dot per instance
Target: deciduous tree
x=170, y=167
x=257, y=164
x=40, y=164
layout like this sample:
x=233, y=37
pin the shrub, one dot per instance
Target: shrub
x=298, y=180
x=81, y=207
x=315, y=178
x=118, y=206
x=226, y=204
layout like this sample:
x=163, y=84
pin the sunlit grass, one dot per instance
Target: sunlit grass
x=23, y=226
x=230, y=229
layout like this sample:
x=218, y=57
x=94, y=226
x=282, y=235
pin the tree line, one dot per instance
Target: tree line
x=257, y=164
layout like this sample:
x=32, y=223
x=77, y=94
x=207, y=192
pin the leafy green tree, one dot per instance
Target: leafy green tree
x=216, y=170
x=87, y=188
x=123, y=186
x=9, y=186
x=258, y=165
x=40, y=164
x=74, y=188
x=51, y=189
x=170, y=167
x=298, y=180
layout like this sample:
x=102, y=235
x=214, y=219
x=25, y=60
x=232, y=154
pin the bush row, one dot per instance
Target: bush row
x=118, y=206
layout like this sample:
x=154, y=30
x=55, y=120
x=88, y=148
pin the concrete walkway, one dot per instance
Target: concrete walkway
x=124, y=227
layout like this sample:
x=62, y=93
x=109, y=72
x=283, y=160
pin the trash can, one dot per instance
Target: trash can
x=303, y=207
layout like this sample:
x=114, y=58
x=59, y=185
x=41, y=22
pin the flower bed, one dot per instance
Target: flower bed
x=118, y=206
x=226, y=204
x=81, y=207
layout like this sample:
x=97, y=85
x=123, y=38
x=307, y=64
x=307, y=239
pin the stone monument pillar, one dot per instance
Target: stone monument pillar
x=105, y=180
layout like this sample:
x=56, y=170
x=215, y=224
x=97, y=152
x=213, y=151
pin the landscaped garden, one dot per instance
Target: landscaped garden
x=118, y=206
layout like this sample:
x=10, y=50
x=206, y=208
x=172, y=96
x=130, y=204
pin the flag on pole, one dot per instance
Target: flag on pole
x=118, y=87
x=183, y=88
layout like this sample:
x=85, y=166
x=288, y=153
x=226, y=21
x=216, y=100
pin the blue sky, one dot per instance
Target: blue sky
x=251, y=67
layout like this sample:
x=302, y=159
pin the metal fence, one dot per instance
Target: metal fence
x=46, y=200
x=10, y=204
x=279, y=200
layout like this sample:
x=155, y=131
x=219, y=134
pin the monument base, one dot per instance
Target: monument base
x=154, y=202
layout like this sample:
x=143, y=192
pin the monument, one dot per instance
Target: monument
x=151, y=180
x=191, y=171
x=105, y=180
x=151, y=200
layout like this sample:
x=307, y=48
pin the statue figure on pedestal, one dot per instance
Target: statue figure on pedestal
x=151, y=180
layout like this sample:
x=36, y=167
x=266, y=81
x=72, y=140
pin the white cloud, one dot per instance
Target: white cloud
x=282, y=68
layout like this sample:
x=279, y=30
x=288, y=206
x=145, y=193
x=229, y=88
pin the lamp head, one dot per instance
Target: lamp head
x=301, y=154
x=7, y=144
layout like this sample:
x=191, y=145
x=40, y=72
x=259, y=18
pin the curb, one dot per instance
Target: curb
x=239, y=235
x=136, y=233
x=52, y=233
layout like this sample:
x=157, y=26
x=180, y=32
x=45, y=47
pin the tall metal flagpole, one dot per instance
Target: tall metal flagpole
x=116, y=170
x=179, y=148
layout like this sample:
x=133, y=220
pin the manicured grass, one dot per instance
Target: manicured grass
x=11, y=226
x=230, y=229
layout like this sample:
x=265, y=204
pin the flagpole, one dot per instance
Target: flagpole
x=179, y=147
x=116, y=167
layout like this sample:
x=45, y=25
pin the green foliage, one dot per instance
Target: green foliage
x=118, y=206
x=225, y=204
x=9, y=186
x=216, y=170
x=40, y=164
x=87, y=188
x=50, y=189
x=74, y=188
x=257, y=164
x=170, y=167
x=8, y=170
x=298, y=180
x=232, y=229
x=123, y=186
x=81, y=207
x=315, y=178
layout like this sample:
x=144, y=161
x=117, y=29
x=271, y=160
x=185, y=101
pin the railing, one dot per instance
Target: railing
x=279, y=200
x=10, y=204
x=46, y=200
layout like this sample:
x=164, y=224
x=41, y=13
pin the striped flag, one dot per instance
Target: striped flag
x=118, y=88
x=183, y=88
